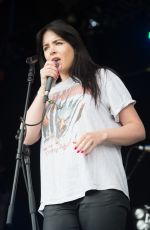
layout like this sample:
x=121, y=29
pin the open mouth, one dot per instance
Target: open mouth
x=57, y=61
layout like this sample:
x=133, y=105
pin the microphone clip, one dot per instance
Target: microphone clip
x=31, y=61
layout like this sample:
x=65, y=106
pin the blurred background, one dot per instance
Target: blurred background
x=117, y=35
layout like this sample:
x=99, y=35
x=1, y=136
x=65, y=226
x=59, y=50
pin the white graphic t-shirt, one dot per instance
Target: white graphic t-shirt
x=65, y=174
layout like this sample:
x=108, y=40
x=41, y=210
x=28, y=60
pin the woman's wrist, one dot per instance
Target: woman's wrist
x=105, y=136
x=41, y=92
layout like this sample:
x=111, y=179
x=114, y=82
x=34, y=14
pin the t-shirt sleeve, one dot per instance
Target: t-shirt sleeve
x=116, y=95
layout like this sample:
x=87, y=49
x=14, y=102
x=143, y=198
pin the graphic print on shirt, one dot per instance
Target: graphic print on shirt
x=61, y=118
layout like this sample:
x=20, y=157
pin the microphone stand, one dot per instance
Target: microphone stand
x=140, y=158
x=23, y=159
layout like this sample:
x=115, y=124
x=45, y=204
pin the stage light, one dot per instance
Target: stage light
x=149, y=35
x=93, y=23
x=140, y=225
x=139, y=213
x=142, y=217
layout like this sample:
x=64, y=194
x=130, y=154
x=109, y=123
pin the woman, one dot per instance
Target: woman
x=90, y=114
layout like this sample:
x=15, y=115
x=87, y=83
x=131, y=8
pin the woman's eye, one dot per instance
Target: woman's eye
x=59, y=43
x=45, y=48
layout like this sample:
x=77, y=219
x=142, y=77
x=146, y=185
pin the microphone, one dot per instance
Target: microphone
x=47, y=88
x=49, y=84
x=145, y=148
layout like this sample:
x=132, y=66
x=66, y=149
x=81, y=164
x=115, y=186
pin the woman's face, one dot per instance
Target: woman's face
x=56, y=48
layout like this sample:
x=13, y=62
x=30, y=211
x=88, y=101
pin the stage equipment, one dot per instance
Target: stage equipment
x=142, y=217
x=23, y=158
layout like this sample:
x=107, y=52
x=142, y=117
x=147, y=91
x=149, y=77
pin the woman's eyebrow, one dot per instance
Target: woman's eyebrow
x=55, y=41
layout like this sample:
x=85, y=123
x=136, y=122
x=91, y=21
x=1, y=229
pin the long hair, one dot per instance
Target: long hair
x=83, y=67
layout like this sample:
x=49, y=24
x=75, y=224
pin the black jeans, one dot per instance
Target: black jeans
x=98, y=210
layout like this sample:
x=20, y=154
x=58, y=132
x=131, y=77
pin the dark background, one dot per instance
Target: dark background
x=119, y=40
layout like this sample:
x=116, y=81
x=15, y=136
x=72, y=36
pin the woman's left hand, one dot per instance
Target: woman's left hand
x=87, y=142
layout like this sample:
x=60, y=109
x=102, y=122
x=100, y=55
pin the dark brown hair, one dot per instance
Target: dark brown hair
x=83, y=67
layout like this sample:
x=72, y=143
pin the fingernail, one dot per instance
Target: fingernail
x=75, y=148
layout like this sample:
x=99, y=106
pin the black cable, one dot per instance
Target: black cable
x=140, y=158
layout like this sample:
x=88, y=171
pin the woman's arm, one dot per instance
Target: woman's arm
x=35, y=112
x=131, y=131
x=34, y=115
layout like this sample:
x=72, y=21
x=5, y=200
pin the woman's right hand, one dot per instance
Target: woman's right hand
x=49, y=69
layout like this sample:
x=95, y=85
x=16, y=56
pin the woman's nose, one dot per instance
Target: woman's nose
x=52, y=50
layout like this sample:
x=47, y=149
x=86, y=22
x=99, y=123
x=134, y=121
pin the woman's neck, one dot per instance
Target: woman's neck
x=64, y=76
